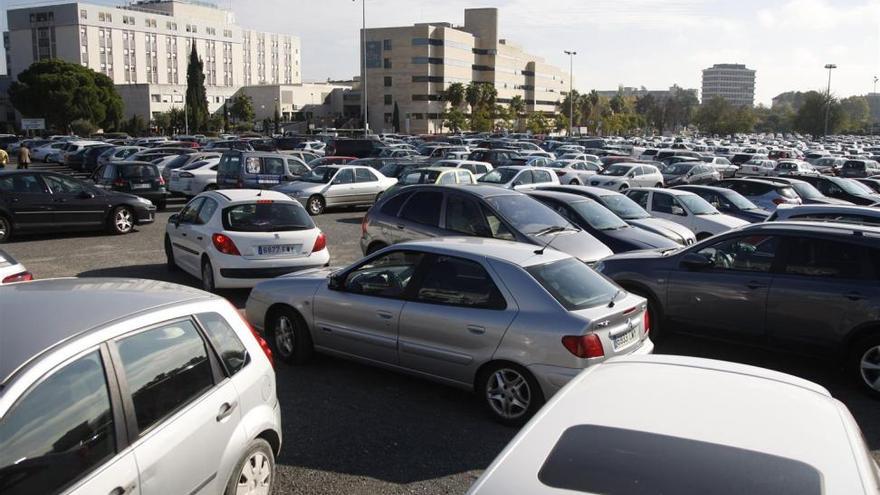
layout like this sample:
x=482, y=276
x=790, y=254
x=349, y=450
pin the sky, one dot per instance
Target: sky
x=651, y=43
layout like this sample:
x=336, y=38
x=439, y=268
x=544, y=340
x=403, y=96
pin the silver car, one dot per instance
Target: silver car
x=511, y=322
x=132, y=387
x=337, y=185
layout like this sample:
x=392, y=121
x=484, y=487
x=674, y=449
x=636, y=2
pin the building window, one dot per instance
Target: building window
x=386, y=63
x=83, y=14
x=156, y=98
x=418, y=116
x=386, y=45
x=388, y=100
x=171, y=26
x=387, y=81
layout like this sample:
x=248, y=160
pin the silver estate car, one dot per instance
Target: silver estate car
x=337, y=185
x=511, y=322
x=132, y=387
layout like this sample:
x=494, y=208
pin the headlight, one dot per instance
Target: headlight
x=599, y=266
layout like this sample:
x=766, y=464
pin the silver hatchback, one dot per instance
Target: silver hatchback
x=511, y=322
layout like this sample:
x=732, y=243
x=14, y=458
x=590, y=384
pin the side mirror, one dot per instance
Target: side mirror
x=86, y=195
x=175, y=219
x=517, y=183
x=695, y=261
x=335, y=282
x=678, y=210
x=286, y=178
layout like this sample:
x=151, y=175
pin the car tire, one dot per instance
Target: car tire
x=5, y=228
x=255, y=470
x=315, y=205
x=207, y=276
x=169, y=255
x=658, y=185
x=289, y=336
x=866, y=350
x=623, y=187
x=574, y=182
x=375, y=247
x=502, y=383
x=121, y=220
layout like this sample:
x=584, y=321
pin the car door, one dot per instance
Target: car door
x=454, y=319
x=183, y=237
x=341, y=190
x=29, y=201
x=184, y=414
x=358, y=312
x=367, y=185
x=728, y=297
x=67, y=434
x=76, y=205
x=665, y=206
x=420, y=217
x=523, y=180
x=824, y=289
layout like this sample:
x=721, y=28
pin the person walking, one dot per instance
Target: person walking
x=24, y=157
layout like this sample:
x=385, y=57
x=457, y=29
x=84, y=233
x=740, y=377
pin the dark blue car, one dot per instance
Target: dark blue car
x=729, y=202
x=601, y=223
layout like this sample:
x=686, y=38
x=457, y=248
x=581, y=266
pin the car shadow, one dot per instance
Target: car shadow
x=351, y=220
x=75, y=234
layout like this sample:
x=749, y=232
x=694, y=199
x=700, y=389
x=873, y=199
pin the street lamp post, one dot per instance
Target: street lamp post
x=364, y=66
x=571, y=55
x=830, y=67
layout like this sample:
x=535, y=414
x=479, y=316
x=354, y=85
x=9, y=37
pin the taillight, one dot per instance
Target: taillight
x=584, y=346
x=182, y=175
x=225, y=245
x=260, y=340
x=18, y=277
x=646, y=322
x=780, y=201
x=162, y=180
x=120, y=183
x=320, y=243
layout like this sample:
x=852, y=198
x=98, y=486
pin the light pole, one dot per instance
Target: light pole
x=571, y=55
x=830, y=67
x=364, y=66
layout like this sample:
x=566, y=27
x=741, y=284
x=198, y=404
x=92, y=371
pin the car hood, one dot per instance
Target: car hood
x=723, y=220
x=826, y=201
x=579, y=244
x=668, y=229
x=638, y=238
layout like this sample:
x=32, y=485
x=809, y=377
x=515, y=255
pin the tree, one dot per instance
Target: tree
x=83, y=127
x=455, y=94
x=472, y=95
x=196, y=98
x=481, y=121
x=856, y=113
x=135, y=126
x=455, y=119
x=517, y=108
x=241, y=108
x=810, y=117
x=395, y=118
x=63, y=92
x=537, y=123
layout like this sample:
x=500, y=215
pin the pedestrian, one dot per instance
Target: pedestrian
x=24, y=157
x=4, y=158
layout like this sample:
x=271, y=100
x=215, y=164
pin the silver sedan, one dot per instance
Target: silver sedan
x=337, y=185
x=497, y=317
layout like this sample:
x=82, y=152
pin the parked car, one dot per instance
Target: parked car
x=630, y=212
x=396, y=169
x=829, y=165
x=722, y=165
x=764, y=193
x=861, y=215
x=433, y=175
x=257, y=170
x=479, y=169
x=481, y=314
x=358, y=148
x=12, y=271
x=519, y=177
x=872, y=183
x=229, y=144
x=42, y=153
x=600, y=222
x=337, y=185
x=795, y=168
x=118, y=154
x=582, y=445
x=845, y=189
x=760, y=167
x=495, y=157
x=729, y=202
x=422, y=212
x=194, y=178
x=197, y=385
x=331, y=160
x=574, y=172
x=622, y=176
x=90, y=157
x=684, y=208
x=807, y=192
x=138, y=178
x=859, y=168
x=690, y=172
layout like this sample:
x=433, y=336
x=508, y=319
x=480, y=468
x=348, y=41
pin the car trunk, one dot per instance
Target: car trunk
x=620, y=329
x=274, y=245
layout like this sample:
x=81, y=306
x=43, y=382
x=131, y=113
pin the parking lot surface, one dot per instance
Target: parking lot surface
x=350, y=428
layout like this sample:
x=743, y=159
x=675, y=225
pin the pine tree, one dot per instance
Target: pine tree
x=395, y=118
x=196, y=98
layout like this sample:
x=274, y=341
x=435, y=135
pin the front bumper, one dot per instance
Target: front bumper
x=145, y=214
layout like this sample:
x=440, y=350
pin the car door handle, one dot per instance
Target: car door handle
x=123, y=490
x=385, y=315
x=756, y=285
x=199, y=238
x=854, y=296
x=400, y=226
x=476, y=329
x=226, y=410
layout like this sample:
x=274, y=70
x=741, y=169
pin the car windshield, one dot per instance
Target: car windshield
x=499, y=176
x=853, y=187
x=525, y=214
x=420, y=177
x=142, y=172
x=573, y=284
x=320, y=175
x=624, y=207
x=616, y=170
x=697, y=205
x=598, y=216
x=806, y=190
x=740, y=201
x=679, y=169
x=266, y=216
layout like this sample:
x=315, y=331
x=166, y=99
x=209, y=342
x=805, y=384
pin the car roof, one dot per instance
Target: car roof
x=78, y=305
x=581, y=190
x=238, y=195
x=695, y=187
x=817, y=227
x=561, y=196
x=516, y=253
x=674, y=192
x=818, y=208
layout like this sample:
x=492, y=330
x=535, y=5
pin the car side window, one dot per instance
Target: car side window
x=497, y=227
x=662, y=203
x=21, y=184
x=296, y=168
x=392, y=206
x=233, y=354
x=423, y=208
x=640, y=197
x=59, y=432
x=524, y=177
x=385, y=276
x=190, y=212
x=273, y=166
x=364, y=175
x=447, y=178
x=343, y=177
x=63, y=185
x=481, y=169
x=469, y=167
x=745, y=254
x=541, y=176
x=166, y=368
x=458, y=282
x=206, y=211
x=464, y=216
x=252, y=165
x=827, y=259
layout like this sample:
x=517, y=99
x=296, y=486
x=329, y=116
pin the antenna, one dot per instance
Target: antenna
x=544, y=247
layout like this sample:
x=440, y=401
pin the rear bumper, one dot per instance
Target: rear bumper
x=261, y=273
x=240, y=273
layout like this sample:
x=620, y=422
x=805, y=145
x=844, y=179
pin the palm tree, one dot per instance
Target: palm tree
x=473, y=95
x=517, y=107
x=454, y=94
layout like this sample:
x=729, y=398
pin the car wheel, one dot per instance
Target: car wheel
x=169, y=255
x=315, y=205
x=623, y=187
x=864, y=363
x=510, y=393
x=208, y=283
x=254, y=474
x=574, y=182
x=121, y=220
x=375, y=247
x=5, y=228
x=658, y=185
x=289, y=336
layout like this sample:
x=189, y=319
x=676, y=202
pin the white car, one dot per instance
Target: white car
x=786, y=168
x=12, y=271
x=622, y=176
x=756, y=166
x=520, y=177
x=579, y=156
x=722, y=165
x=317, y=147
x=479, y=169
x=683, y=425
x=684, y=208
x=195, y=178
x=574, y=172
x=239, y=237
x=43, y=153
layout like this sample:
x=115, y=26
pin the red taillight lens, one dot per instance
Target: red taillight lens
x=162, y=181
x=260, y=340
x=320, y=243
x=120, y=182
x=646, y=322
x=584, y=346
x=18, y=277
x=225, y=245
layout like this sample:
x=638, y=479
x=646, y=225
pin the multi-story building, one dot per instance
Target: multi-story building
x=658, y=94
x=733, y=82
x=144, y=47
x=412, y=66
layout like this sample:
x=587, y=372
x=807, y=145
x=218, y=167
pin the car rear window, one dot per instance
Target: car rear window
x=573, y=284
x=266, y=216
x=139, y=171
x=855, y=165
x=602, y=459
x=787, y=192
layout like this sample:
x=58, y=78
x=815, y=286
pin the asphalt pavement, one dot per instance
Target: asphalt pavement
x=350, y=428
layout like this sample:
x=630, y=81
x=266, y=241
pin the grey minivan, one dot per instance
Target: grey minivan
x=257, y=170
x=427, y=211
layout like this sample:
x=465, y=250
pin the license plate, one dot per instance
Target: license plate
x=267, y=181
x=624, y=339
x=141, y=186
x=279, y=249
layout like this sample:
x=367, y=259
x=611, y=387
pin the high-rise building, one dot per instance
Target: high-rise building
x=412, y=66
x=733, y=82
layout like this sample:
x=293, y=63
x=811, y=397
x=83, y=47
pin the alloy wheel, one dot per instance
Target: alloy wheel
x=315, y=206
x=255, y=476
x=284, y=336
x=4, y=228
x=508, y=393
x=869, y=365
x=123, y=220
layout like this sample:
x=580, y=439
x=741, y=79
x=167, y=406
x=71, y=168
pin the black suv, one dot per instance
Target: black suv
x=35, y=201
x=138, y=178
x=809, y=288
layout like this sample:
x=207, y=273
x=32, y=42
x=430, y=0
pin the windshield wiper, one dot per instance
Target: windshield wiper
x=550, y=230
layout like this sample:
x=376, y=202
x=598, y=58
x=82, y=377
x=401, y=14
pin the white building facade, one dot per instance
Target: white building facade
x=733, y=82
